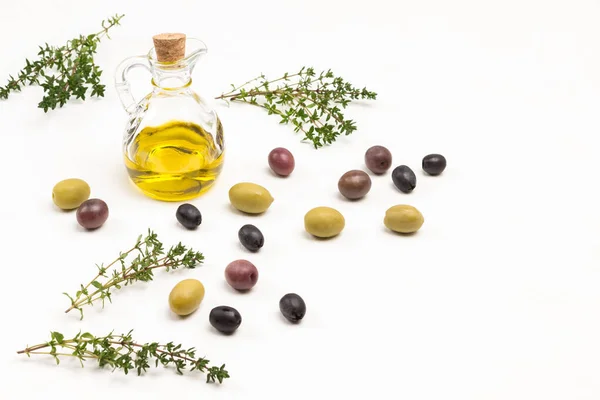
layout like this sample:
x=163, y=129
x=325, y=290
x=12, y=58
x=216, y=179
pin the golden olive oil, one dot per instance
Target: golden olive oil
x=175, y=161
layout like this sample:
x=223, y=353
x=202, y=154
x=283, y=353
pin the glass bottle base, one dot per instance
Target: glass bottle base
x=175, y=161
x=171, y=188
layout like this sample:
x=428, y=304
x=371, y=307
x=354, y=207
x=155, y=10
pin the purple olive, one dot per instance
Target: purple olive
x=378, y=159
x=281, y=161
x=241, y=275
x=92, y=213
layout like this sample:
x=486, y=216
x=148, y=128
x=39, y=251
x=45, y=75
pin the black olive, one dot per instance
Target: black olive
x=434, y=164
x=404, y=178
x=292, y=307
x=189, y=216
x=225, y=319
x=251, y=237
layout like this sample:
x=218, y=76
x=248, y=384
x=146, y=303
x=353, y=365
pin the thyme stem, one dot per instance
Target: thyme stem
x=122, y=352
x=150, y=256
x=311, y=102
x=76, y=72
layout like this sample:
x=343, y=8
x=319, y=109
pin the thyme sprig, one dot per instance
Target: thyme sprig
x=120, y=272
x=122, y=352
x=312, y=103
x=64, y=72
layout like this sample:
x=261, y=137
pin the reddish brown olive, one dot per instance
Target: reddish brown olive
x=92, y=213
x=378, y=159
x=281, y=161
x=241, y=274
x=354, y=184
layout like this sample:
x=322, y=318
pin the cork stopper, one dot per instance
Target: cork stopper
x=170, y=47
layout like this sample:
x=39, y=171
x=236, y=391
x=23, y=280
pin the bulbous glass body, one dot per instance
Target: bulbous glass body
x=173, y=146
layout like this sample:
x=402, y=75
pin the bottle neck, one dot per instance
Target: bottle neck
x=172, y=79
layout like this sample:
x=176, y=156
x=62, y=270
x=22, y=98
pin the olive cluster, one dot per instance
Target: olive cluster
x=251, y=198
x=356, y=184
x=74, y=193
x=241, y=275
x=326, y=222
x=323, y=222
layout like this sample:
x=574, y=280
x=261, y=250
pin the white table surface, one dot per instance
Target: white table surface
x=496, y=297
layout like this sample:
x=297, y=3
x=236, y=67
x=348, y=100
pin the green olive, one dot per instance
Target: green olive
x=324, y=222
x=250, y=198
x=403, y=219
x=186, y=296
x=70, y=193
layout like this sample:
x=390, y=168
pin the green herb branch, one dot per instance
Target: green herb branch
x=64, y=72
x=312, y=103
x=150, y=255
x=122, y=352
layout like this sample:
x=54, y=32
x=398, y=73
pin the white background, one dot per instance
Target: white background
x=496, y=297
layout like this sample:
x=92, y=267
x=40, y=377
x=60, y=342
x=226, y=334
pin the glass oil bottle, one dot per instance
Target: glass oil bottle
x=173, y=146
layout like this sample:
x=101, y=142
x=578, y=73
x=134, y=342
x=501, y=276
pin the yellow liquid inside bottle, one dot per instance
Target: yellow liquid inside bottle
x=175, y=161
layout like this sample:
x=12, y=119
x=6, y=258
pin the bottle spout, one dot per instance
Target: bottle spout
x=195, y=46
x=195, y=49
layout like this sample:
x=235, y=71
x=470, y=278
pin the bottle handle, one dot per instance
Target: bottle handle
x=122, y=84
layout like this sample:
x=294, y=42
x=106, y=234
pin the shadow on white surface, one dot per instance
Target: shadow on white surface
x=286, y=321
x=234, y=210
x=274, y=175
x=320, y=239
x=180, y=318
x=392, y=233
x=235, y=291
x=214, y=331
